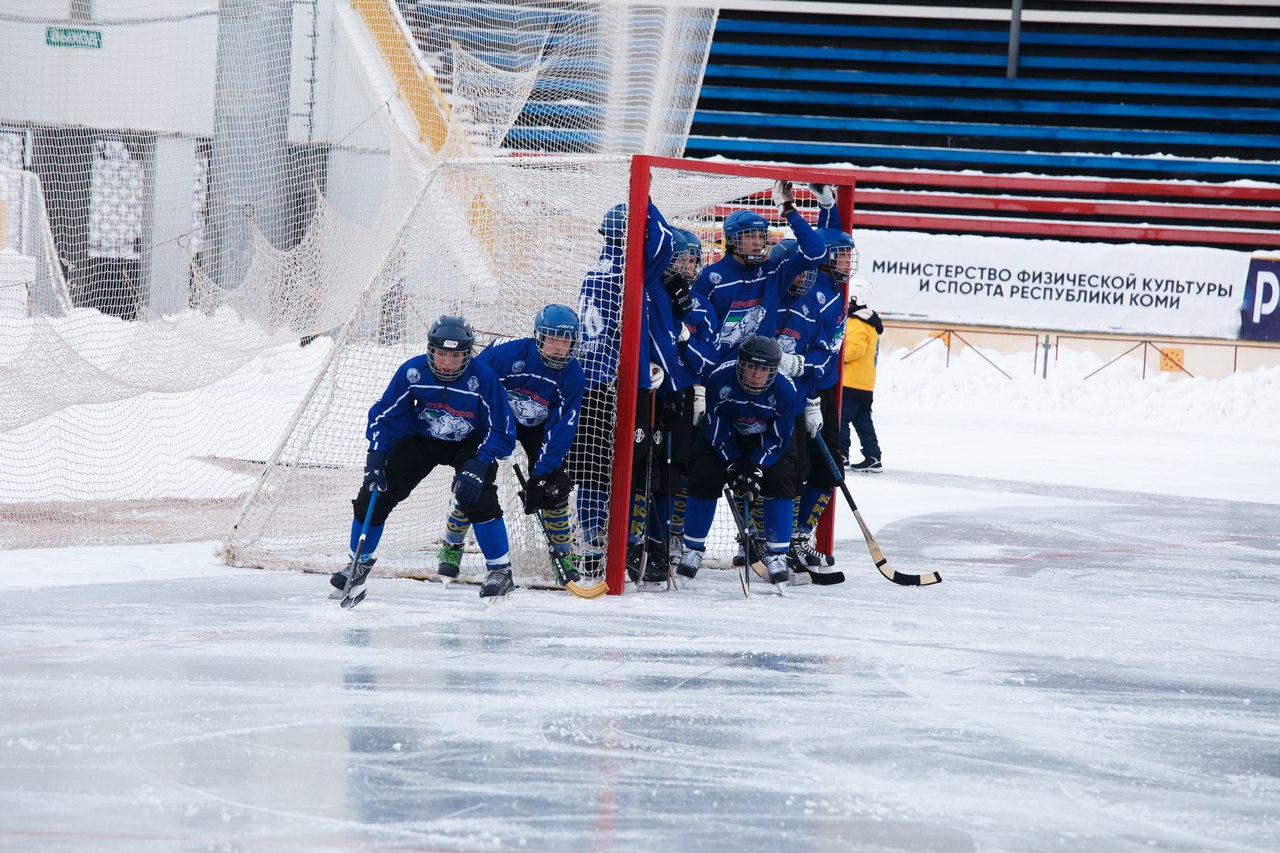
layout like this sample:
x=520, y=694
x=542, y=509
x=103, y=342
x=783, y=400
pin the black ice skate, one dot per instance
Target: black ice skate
x=338, y=580
x=497, y=584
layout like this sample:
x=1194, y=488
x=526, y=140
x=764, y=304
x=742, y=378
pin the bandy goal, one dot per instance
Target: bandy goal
x=494, y=240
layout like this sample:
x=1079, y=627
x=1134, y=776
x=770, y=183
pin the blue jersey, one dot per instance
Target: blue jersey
x=833, y=305
x=600, y=307
x=757, y=425
x=800, y=332
x=745, y=299
x=539, y=395
x=700, y=353
x=472, y=406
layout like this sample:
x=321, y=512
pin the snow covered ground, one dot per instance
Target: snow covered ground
x=1098, y=670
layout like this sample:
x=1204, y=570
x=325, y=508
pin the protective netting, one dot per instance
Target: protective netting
x=195, y=195
x=494, y=241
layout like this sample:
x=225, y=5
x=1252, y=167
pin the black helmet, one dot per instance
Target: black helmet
x=450, y=334
x=760, y=352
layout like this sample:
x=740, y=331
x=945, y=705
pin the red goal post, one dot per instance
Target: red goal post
x=643, y=169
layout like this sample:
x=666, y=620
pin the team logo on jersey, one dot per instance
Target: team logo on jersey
x=473, y=383
x=517, y=367
x=445, y=426
x=822, y=297
x=738, y=324
x=772, y=401
x=804, y=309
x=749, y=426
x=724, y=393
x=639, y=435
x=786, y=343
x=413, y=375
x=529, y=411
x=715, y=277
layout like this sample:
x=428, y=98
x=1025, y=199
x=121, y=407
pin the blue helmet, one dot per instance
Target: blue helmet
x=742, y=222
x=448, y=335
x=800, y=284
x=842, y=255
x=557, y=321
x=614, y=225
x=687, y=245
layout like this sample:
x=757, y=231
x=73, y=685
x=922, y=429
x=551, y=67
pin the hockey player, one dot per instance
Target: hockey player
x=544, y=386
x=698, y=347
x=827, y=298
x=441, y=408
x=745, y=286
x=746, y=441
x=666, y=299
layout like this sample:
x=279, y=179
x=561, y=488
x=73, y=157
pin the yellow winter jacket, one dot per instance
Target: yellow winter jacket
x=861, y=349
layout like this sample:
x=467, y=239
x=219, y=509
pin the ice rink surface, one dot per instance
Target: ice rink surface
x=1097, y=672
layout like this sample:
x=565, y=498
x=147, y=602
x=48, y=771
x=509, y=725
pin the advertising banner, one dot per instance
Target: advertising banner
x=1173, y=291
x=1260, y=313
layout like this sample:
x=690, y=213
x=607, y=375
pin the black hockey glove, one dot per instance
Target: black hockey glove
x=677, y=287
x=375, y=471
x=745, y=477
x=469, y=481
x=546, y=491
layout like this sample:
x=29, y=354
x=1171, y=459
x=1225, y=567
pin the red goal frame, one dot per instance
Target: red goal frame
x=642, y=166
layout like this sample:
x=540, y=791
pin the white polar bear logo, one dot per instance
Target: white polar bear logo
x=752, y=427
x=528, y=412
x=750, y=321
x=449, y=427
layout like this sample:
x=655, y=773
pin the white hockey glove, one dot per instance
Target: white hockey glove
x=813, y=416
x=823, y=194
x=685, y=334
x=783, y=197
x=656, y=375
x=791, y=364
x=699, y=404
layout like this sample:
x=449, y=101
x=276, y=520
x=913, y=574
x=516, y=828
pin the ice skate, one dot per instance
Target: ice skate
x=450, y=557
x=338, y=580
x=497, y=586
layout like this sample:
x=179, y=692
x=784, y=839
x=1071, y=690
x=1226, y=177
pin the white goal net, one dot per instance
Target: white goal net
x=226, y=225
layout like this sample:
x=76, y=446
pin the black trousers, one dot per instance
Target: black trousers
x=412, y=459
x=708, y=473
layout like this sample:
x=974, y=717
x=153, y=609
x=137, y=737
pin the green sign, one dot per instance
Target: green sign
x=73, y=37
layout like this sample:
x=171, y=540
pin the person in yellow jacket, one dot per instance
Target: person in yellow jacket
x=861, y=350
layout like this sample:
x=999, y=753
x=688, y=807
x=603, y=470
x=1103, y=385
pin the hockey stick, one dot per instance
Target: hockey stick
x=751, y=556
x=575, y=589
x=927, y=579
x=354, y=594
x=648, y=472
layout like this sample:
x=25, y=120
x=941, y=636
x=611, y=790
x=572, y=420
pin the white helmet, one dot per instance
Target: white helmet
x=861, y=290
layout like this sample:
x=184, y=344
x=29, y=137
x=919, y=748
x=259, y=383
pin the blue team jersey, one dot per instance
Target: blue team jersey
x=813, y=326
x=700, y=353
x=539, y=396
x=745, y=299
x=600, y=309
x=833, y=302
x=758, y=425
x=473, y=406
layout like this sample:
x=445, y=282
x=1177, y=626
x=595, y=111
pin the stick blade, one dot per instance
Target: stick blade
x=588, y=592
x=901, y=579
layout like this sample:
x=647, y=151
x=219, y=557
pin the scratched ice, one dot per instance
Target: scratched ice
x=1098, y=671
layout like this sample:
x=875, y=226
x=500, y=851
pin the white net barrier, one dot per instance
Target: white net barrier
x=494, y=242
x=181, y=245
x=568, y=77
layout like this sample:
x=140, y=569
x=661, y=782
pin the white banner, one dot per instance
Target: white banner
x=1173, y=291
